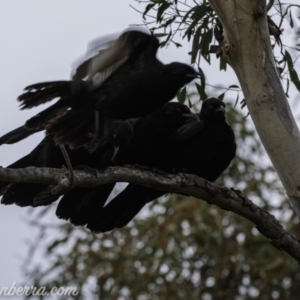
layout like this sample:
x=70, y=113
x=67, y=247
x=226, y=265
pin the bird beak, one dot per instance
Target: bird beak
x=116, y=150
x=221, y=108
x=194, y=75
x=192, y=116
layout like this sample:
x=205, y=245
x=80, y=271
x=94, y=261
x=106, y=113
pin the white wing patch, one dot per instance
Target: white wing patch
x=105, y=55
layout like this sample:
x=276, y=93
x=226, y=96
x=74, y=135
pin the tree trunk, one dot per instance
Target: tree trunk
x=247, y=48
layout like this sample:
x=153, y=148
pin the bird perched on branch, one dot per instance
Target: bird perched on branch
x=171, y=140
x=123, y=80
x=204, y=148
x=156, y=126
x=151, y=145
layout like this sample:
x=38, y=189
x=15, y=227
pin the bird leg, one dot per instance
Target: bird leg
x=69, y=165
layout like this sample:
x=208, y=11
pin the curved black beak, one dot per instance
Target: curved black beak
x=116, y=151
x=221, y=108
x=194, y=75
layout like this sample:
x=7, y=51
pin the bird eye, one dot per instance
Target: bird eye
x=178, y=109
x=211, y=107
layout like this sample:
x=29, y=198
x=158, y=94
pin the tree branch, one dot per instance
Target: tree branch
x=185, y=184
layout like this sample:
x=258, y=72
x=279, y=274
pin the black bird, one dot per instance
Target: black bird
x=150, y=145
x=204, y=148
x=123, y=81
x=82, y=204
x=48, y=154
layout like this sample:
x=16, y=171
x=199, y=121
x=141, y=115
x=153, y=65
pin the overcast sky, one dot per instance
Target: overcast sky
x=39, y=42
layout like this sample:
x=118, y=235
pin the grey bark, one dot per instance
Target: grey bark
x=185, y=184
x=247, y=48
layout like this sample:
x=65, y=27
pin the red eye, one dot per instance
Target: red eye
x=178, y=109
x=211, y=107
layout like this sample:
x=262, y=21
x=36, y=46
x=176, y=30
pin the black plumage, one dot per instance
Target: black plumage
x=151, y=145
x=17, y=135
x=45, y=154
x=81, y=205
x=171, y=140
x=203, y=148
x=123, y=81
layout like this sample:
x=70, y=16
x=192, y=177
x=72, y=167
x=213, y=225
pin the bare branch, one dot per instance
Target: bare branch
x=185, y=184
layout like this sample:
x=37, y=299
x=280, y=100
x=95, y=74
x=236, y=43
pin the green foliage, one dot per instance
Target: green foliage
x=293, y=74
x=198, y=23
x=181, y=95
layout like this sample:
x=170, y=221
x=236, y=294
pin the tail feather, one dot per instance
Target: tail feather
x=69, y=124
x=46, y=91
x=17, y=135
x=80, y=206
x=22, y=194
x=44, y=197
x=43, y=92
x=42, y=118
x=136, y=206
x=91, y=204
x=123, y=208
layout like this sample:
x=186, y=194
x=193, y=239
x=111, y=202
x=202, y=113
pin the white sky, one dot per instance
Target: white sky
x=39, y=42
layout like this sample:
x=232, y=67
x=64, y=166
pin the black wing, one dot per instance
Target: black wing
x=188, y=130
x=123, y=208
x=83, y=204
x=77, y=99
x=17, y=135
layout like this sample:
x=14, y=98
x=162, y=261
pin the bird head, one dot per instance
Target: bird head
x=182, y=73
x=179, y=111
x=212, y=109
